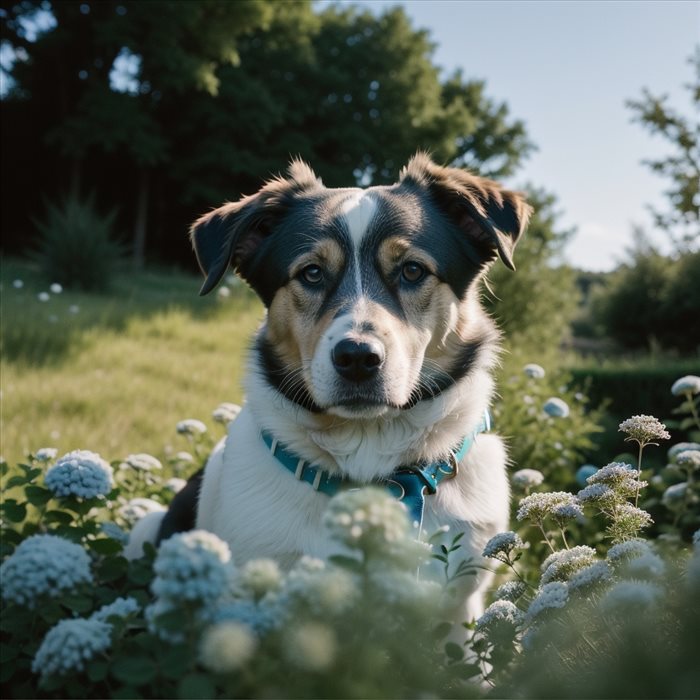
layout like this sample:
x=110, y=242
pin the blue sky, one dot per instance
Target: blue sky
x=566, y=69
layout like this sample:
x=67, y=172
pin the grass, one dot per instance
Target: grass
x=117, y=375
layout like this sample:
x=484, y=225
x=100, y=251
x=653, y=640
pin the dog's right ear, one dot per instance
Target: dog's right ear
x=232, y=234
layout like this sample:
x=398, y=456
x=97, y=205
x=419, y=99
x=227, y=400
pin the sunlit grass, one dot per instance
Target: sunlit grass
x=118, y=374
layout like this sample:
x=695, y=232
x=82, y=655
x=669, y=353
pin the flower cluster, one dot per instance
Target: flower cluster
x=559, y=566
x=69, y=645
x=141, y=462
x=121, y=607
x=227, y=647
x=367, y=518
x=550, y=596
x=43, y=565
x=690, y=384
x=193, y=567
x=537, y=506
x=534, y=371
x=527, y=478
x=644, y=429
x=137, y=508
x=80, y=473
x=556, y=407
x=501, y=612
x=191, y=427
x=226, y=413
x=501, y=545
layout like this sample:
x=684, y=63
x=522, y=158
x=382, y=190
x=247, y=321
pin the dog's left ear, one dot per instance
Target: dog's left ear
x=492, y=217
x=233, y=233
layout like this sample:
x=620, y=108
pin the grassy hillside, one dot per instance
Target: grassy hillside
x=114, y=373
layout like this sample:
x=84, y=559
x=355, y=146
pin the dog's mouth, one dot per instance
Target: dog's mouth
x=361, y=406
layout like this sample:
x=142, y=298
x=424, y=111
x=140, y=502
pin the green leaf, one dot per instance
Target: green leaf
x=14, y=512
x=466, y=671
x=195, y=686
x=38, y=495
x=59, y=517
x=439, y=557
x=442, y=630
x=174, y=660
x=135, y=670
x=16, y=480
x=454, y=651
x=30, y=472
x=77, y=603
x=112, y=568
x=105, y=546
x=97, y=671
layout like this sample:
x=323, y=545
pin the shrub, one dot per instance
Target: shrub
x=76, y=247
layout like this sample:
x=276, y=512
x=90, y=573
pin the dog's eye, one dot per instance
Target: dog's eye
x=312, y=274
x=412, y=272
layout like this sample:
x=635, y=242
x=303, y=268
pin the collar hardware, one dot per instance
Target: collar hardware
x=409, y=484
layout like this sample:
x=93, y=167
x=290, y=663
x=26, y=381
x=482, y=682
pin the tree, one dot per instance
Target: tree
x=682, y=219
x=178, y=48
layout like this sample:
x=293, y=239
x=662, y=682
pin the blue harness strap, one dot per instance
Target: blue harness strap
x=408, y=484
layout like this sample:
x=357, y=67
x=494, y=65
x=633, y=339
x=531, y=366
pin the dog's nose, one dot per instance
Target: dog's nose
x=357, y=361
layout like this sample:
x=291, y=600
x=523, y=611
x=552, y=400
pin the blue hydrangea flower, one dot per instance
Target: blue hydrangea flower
x=43, y=565
x=534, y=371
x=121, y=607
x=46, y=454
x=690, y=384
x=259, y=617
x=556, y=407
x=584, y=472
x=80, y=473
x=70, y=644
x=192, y=566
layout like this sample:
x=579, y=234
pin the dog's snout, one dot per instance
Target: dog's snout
x=357, y=361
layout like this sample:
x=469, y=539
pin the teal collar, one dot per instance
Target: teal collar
x=408, y=484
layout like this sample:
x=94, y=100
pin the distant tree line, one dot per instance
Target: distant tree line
x=165, y=109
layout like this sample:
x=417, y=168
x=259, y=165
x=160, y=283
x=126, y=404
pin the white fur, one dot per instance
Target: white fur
x=358, y=210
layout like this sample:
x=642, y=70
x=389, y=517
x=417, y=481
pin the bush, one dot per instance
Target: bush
x=76, y=247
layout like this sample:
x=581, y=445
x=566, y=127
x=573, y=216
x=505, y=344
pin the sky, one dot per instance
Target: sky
x=566, y=70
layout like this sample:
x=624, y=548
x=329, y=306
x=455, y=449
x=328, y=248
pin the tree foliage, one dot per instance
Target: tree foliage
x=218, y=96
x=681, y=169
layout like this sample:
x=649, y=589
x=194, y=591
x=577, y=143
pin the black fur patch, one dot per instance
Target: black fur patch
x=182, y=513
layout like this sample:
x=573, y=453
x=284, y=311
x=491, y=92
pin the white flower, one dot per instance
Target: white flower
x=311, y=646
x=510, y=590
x=538, y=506
x=534, y=371
x=647, y=565
x=80, y=473
x=69, y=645
x=631, y=595
x=397, y=587
x=631, y=517
x=550, y=596
x=596, y=493
x=591, y=575
x=138, y=508
x=527, y=478
x=227, y=647
x=260, y=576
x=501, y=612
x=46, y=454
x=43, y=296
x=142, y=462
x=175, y=484
x=185, y=457
x=559, y=566
x=644, y=429
x=191, y=427
x=501, y=545
x=192, y=566
x=567, y=511
x=55, y=288
x=628, y=549
x=690, y=384
x=366, y=518
x=121, y=607
x=689, y=459
x=556, y=407
x=674, y=496
x=223, y=293
x=73, y=309
x=681, y=447
x=18, y=284
x=319, y=590
x=226, y=413
x=43, y=565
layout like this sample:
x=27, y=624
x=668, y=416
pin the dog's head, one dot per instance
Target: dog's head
x=371, y=294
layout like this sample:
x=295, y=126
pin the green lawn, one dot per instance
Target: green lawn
x=116, y=374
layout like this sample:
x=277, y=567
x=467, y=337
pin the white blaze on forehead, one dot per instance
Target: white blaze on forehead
x=358, y=210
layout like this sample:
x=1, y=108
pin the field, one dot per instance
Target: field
x=114, y=373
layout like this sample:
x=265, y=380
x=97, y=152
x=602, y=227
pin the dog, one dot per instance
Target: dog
x=374, y=360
